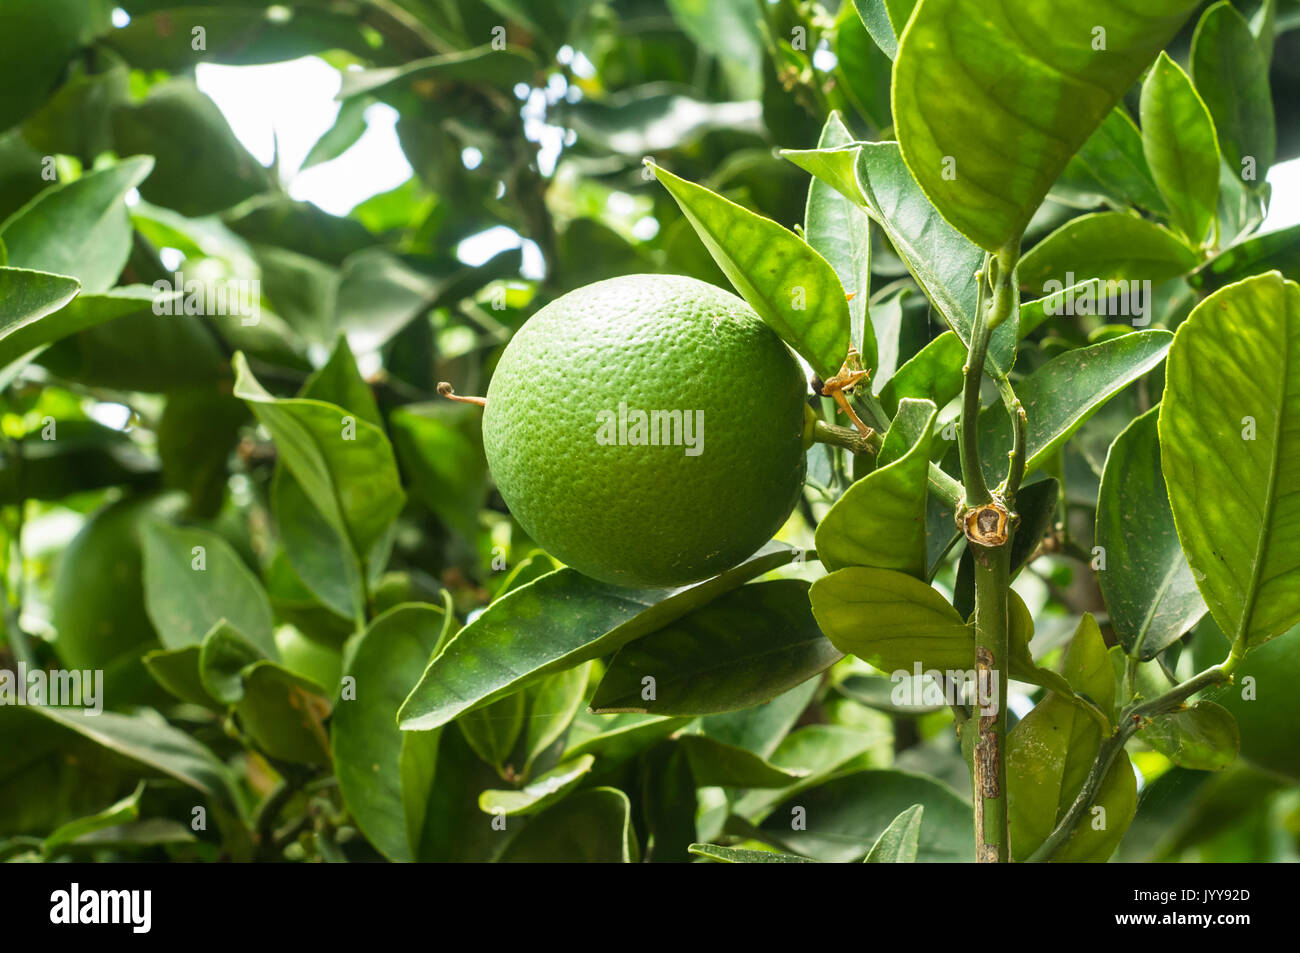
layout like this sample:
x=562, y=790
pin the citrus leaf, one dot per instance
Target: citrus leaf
x=898, y=843
x=554, y=623
x=541, y=792
x=593, y=826
x=740, y=855
x=193, y=579
x=121, y=812
x=1229, y=432
x=31, y=303
x=715, y=764
x=284, y=714
x=224, y=653
x=177, y=670
x=1181, y=147
x=891, y=620
x=782, y=278
x=954, y=118
x=1049, y=754
x=552, y=703
x=365, y=741
x=1231, y=74
x=742, y=649
x=1062, y=394
x=1148, y=586
x=847, y=815
x=344, y=465
x=493, y=729
x=79, y=228
x=39, y=38
x=1202, y=737
x=932, y=373
x=841, y=232
x=1105, y=246
x=880, y=519
x=487, y=64
x=619, y=737
x=1114, y=160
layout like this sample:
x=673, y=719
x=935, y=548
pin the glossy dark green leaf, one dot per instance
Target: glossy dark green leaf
x=192, y=579
x=541, y=792
x=1228, y=426
x=761, y=729
x=891, y=620
x=743, y=648
x=157, y=746
x=593, y=826
x=898, y=843
x=862, y=69
x=1202, y=737
x=740, y=855
x=1146, y=581
x=1087, y=666
x=1105, y=246
x=79, y=228
x=120, y=812
x=224, y=654
x=840, y=232
x=199, y=166
x=880, y=519
x=39, y=38
x=284, y=714
x=177, y=670
x=345, y=465
x=1181, y=147
x=1055, y=410
x=714, y=763
x=846, y=816
x=31, y=303
x=1049, y=753
x=954, y=117
x=885, y=20
x=441, y=783
x=493, y=730
x=319, y=553
x=619, y=737
x=1279, y=250
x=1231, y=74
x=366, y=743
x=933, y=373
x=552, y=624
x=817, y=753
x=782, y=278
x=440, y=448
x=552, y=704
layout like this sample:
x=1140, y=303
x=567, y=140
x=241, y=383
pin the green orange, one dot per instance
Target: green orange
x=709, y=473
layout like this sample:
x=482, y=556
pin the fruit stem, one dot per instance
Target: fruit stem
x=847, y=437
x=446, y=390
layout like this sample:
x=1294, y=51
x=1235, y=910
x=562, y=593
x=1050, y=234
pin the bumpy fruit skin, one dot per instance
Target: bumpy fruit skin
x=644, y=515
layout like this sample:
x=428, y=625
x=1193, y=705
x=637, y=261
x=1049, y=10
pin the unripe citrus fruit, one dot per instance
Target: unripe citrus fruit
x=647, y=430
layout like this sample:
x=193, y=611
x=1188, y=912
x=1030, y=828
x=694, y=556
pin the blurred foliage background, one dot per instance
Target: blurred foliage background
x=546, y=137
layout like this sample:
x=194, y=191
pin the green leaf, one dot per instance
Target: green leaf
x=1202, y=737
x=122, y=812
x=1228, y=431
x=933, y=373
x=951, y=98
x=224, y=654
x=339, y=382
x=841, y=232
x=284, y=714
x=1055, y=410
x=177, y=670
x=1181, y=147
x=728, y=30
x=349, y=126
x=739, y=855
x=78, y=228
x=345, y=465
x=540, y=793
x=791, y=287
x=942, y=261
x=39, y=38
x=440, y=447
x=1231, y=74
x=200, y=166
x=880, y=520
x=742, y=649
x=714, y=763
x=148, y=740
x=31, y=303
x=1049, y=753
x=593, y=826
x=493, y=730
x=552, y=704
x=193, y=579
x=891, y=620
x=885, y=20
x=1087, y=666
x=898, y=843
x=365, y=740
x=483, y=65
x=1279, y=250
x=1113, y=160
x=619, y=737
x=319, y=553
x=1105, y=246
x=552, y=624
x=1148, y=586
x=761, y=729
x=197, y=433
x=847, y=815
